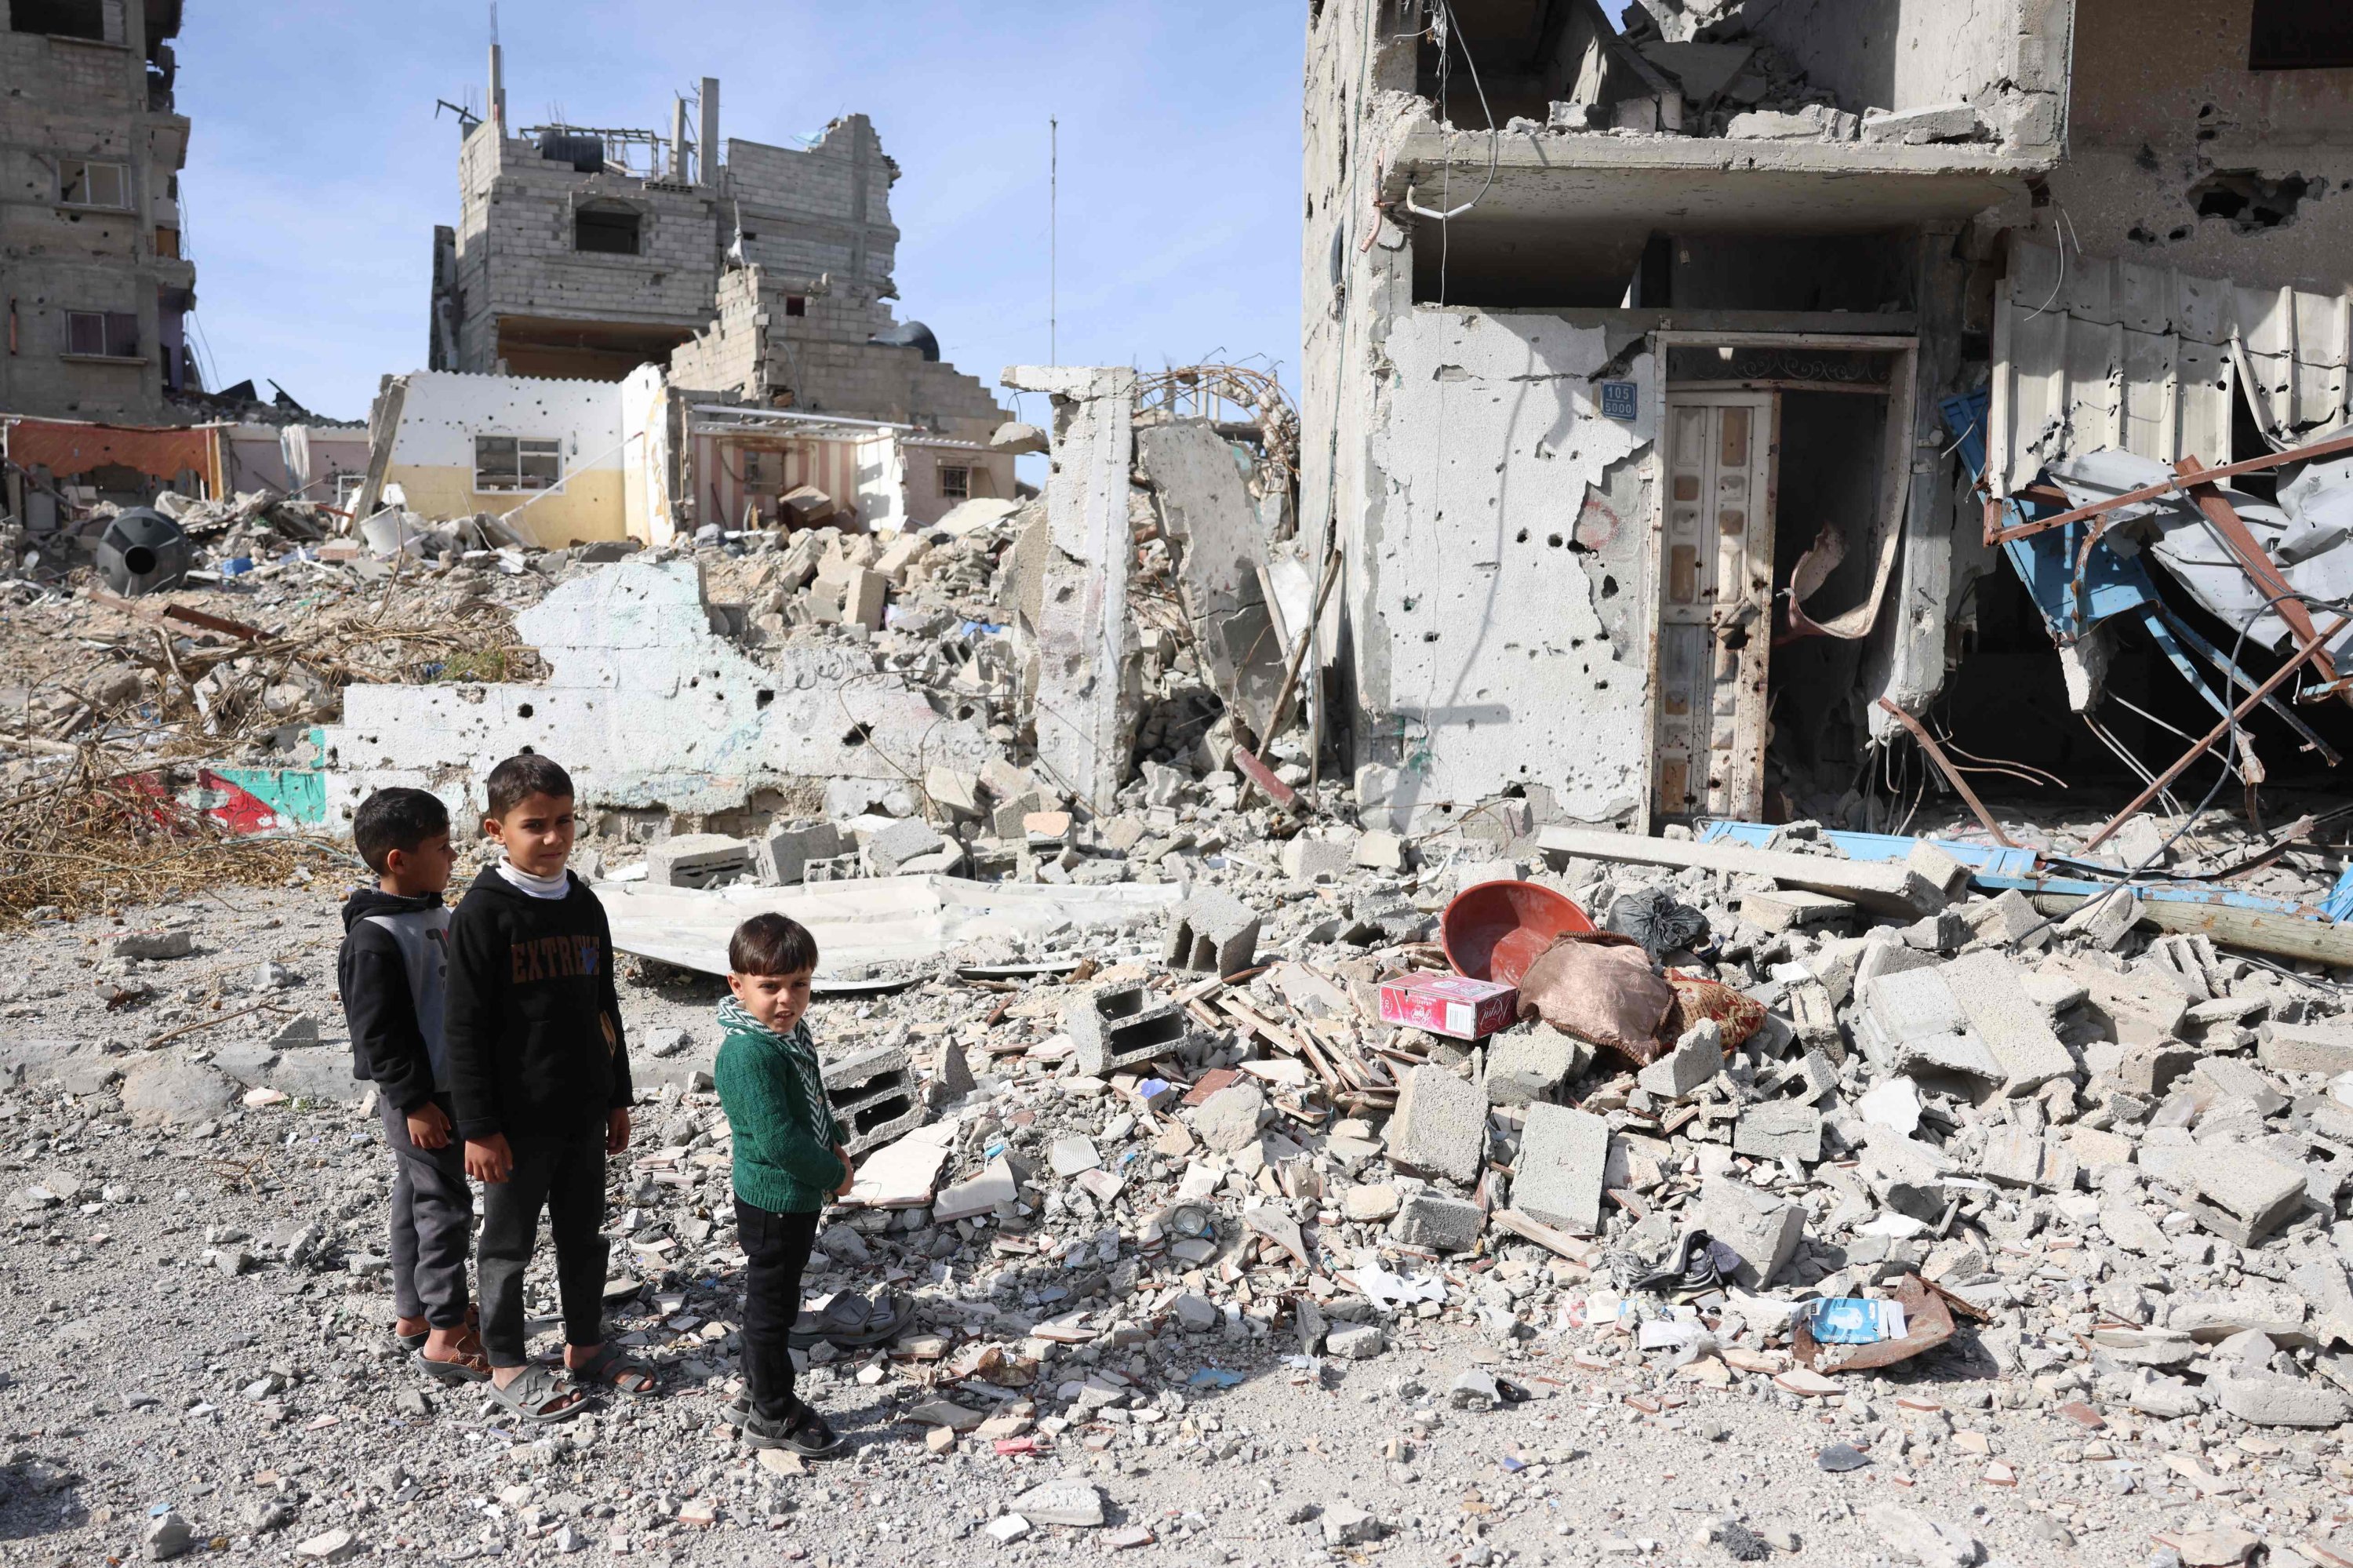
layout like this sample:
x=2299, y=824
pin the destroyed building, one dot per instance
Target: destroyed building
x=762, y=273
x=92, y=279
x=1649, y=373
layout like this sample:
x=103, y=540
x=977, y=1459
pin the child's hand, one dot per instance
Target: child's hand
x=617, y=1129
x=428, y=1127
x=489, y=1158
x=849, y=1176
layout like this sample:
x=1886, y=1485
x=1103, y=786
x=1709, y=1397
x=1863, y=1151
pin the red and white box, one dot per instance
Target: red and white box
x=1453, y=1005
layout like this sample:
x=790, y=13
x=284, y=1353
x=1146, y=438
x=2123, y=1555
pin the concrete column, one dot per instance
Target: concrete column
x=1911, y=669
x=1085, y=696
x=709, y=150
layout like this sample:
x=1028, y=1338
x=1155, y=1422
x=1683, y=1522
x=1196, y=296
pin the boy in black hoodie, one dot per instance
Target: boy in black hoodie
x=541, y=1079
x=392, y=970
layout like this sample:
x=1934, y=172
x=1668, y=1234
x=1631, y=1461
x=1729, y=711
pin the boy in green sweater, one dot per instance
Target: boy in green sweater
x=789, y=1159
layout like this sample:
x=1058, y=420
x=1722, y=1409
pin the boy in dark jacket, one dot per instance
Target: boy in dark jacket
x=789, y=1159
x=541, y=1079
x=392, y=971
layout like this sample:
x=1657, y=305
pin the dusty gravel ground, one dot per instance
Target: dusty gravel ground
x=269, y=1409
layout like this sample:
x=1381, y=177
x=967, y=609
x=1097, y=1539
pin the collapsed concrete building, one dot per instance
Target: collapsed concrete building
x=93, y=280
x=1648, y=374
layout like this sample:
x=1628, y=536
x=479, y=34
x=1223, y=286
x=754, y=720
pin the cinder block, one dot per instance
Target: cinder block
x=1990, y=991
x=1119, y=1027
x=2237, y=1194
x=1440, y=1126
x=2306, y=1048
x=1698, y=1056
x=1791, y=909
x=1564, y=1160
x=1758, y=1226
x=1779, y=1129
x=697, y=859
x=1527, y=1065
x=1315, y=857
x=1213, y=930
x=904, y=839
x=1439, y=1223
x=780, y=856
x=875, y=1095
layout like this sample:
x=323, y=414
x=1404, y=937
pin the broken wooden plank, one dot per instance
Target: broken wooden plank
x=1884, y=887
x=1558, y=1242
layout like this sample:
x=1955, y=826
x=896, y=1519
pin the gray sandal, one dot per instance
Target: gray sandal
x=535, y=1396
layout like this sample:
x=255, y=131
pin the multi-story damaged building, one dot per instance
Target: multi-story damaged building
x=763, y=273
x=92, y=279
x=1650, y=368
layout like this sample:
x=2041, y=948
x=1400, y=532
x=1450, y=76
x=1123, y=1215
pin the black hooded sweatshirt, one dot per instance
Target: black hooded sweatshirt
x=393, y=971
x=534, y=1021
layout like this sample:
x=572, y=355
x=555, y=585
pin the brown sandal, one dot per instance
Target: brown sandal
x=471, y=1364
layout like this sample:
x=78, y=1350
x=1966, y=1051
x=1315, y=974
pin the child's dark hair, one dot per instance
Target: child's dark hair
x=521, y=776
x=771, y=945
x=396, y=819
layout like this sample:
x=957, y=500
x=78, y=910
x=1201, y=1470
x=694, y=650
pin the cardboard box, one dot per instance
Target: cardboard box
x=1449, y=1005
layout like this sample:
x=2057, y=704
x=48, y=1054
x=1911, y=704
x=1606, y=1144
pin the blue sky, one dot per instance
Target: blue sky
x=317, y=169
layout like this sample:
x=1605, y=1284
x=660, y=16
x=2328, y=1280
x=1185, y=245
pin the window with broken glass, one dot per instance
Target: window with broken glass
x=516, y=462
x=955, y=482
x=82, y=183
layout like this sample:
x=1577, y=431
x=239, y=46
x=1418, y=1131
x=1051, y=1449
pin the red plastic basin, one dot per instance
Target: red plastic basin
x=1494, y=930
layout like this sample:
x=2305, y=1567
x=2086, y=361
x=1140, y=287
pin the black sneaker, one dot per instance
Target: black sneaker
x=805, y=1434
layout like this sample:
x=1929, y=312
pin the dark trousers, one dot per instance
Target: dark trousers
x=775, y=1251
x=565, y=1176
x=432, y=1222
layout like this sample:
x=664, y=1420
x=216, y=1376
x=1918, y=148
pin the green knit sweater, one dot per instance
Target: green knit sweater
x=770, y=1086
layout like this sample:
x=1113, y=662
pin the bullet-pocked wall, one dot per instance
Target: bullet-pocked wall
x=2207, y=137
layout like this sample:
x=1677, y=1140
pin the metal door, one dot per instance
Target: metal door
x=1715, y=597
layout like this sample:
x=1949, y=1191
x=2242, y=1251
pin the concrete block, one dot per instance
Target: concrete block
x=953, y=791
x=1380, y=850
x=2267, y=1399
x=2150, y=1071
x=1319, y=857
x=1697, y=1056
x=1779, y=1129
x=1916, y=127
x=2006, y=918
x=1989, y=989
x=1355, y=1342
x=1009, y=817
x=1440, y=1126
x=2017, y=1157
x=906, y=839
x=2236, y=1193
x=1213, y=930
x=697, y=859
x=1564, y=1158
x=1793, y=908
x=2325, y=1048
x=874, y=1093
x=1532, y=1064
x=1813, y=1019
x=1114, y=1028
x=2103, y=922
x=1761, y=1228
x=849, y=596
x=780, y=856
x=1439, y=1223
x=2233, y=1079
x=1910, y=1022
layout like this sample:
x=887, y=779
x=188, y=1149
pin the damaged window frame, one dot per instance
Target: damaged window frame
x=517, y=468
x=955, y=482
x=76, y=187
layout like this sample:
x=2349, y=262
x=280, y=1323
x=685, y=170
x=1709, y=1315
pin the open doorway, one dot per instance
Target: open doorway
x=1783, y=479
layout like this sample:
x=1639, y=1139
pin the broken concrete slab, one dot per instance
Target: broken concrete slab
x=2238, y=1194
x=1439, y=1223
x=1779, y=1129
x=1881, y=887
x=1219, y=544
x=1793, y=909
x=1085, y=675
x=1697, y=1056
x=1529, y=1064
x=2325, y=1048
x=1910, y=1022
